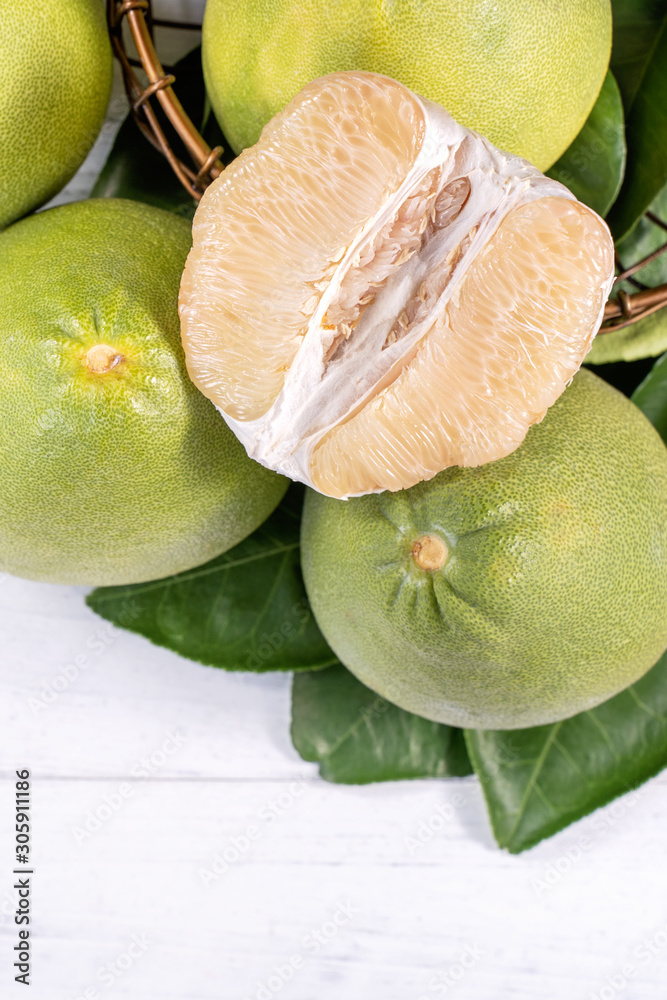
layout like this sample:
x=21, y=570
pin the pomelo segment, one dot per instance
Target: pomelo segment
x=276, y=226
x=375, y=293
x=468, y=377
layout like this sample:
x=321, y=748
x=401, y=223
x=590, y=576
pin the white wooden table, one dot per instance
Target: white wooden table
x=183, y=850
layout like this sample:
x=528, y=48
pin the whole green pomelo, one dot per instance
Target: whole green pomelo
x=55, y=82
x=525, y=75
x=547, y=591
x=113, y=466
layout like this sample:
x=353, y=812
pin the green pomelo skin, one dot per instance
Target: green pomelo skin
x=121, y=476
x=524, y=75
x=55, y=82
x=553, y=596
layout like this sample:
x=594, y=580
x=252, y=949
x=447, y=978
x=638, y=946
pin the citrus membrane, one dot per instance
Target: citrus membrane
x=376, y=293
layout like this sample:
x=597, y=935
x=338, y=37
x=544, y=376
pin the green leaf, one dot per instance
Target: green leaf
x=245, y=610
x=135, y=169
x=593, y=165
x=646, y=136
x=645, y=339
x=648, y=337
x=625, y=376
x=538, y=781
x=636, y=24
x=358, y=737
x=643, y=240
x=651, y=396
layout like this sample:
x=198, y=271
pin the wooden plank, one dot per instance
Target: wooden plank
x=225, y=894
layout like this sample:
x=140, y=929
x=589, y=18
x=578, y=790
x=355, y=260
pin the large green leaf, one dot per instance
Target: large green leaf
x=358, y=737
x=538, y=781
x=593, y=165
x=553, y=775
x=135, y=169
x=646, y=237
x=636, y=24
x=245, y=610
x=648, y=337
x=646, y=136
x=651, y=396
x=645, y=339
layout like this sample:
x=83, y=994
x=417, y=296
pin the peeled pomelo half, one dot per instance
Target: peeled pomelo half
x=376, y=293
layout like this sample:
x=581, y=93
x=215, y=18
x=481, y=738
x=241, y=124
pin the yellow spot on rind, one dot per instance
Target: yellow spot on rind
x=430, y=552
x=101, y=359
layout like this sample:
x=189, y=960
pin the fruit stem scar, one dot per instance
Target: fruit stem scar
x=101, y=358
x=430, y=552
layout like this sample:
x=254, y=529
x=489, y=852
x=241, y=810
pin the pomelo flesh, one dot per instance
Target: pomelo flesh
x=113, y=467
x=55, y=83
x=509, y=596
x=375, y=293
